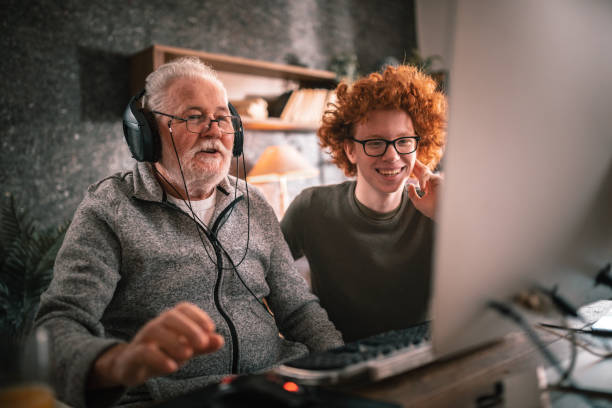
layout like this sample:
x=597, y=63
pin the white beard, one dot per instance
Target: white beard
x=200, y=175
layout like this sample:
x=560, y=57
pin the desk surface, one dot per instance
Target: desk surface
x=460, y=381
x=514, y=362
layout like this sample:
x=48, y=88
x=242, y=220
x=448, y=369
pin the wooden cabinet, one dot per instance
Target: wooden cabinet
x=242, y=77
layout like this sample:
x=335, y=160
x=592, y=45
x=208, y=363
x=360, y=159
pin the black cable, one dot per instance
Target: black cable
x=579, y=343
x=508, y=312
x=562, y=304
x=573, y=354
x=594, y=333
x=243, y=283
x=188, y=202
x=246, y=185
x=565, y=384
x=211, y=237
x=603, y=276
x=199, y=223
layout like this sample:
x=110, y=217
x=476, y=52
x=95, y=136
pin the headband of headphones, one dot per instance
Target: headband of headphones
x=142, y=134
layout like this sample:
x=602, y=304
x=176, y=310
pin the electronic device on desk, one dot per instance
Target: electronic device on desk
x=603, y=325
x=264, y=390
x=527, y=197
x=370, y=359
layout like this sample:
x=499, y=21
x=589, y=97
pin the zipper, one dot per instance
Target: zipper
x=217, y=296
x=230, y=324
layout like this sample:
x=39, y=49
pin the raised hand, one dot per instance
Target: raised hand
x=430, y=186
x=160, y=347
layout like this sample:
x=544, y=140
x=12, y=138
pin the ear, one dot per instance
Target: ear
x=349, y=150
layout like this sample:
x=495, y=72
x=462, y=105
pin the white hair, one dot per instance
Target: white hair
x=157, y=82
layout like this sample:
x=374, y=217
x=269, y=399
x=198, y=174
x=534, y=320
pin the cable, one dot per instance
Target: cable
x=243, y=283
x=201, y=223
x=573, y=354
x=583, y=330
x=246, y=185
x=565, y=383
x=188, y=202
x=583, y=392
x=603, y=276
x=508, y=312
x=566, y=309
x=212, y=238
x=562, y=304
x=548, y=328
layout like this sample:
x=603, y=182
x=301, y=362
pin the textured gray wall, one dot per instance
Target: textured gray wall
x=64, y=80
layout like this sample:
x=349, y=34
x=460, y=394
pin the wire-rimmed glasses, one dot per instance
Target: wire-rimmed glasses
x=378, y=147
x=202, y=123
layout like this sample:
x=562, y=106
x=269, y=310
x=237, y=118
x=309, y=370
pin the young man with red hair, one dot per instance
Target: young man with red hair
x=369, y=241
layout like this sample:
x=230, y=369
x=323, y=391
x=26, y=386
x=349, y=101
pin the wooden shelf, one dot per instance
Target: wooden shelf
x=275, y=124
x=151, y=58
x=242, y=77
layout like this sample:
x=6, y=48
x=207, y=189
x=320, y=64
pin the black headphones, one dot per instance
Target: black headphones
x=142, y=134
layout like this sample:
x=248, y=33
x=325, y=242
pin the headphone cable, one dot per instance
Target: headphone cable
x=212, y=237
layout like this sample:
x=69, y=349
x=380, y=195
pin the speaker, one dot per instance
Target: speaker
x=142, y=134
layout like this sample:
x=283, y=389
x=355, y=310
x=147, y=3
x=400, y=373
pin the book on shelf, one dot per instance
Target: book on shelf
x=276, y=104
x=306, y=105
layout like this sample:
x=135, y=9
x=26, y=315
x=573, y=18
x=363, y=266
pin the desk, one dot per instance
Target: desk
x=458, y=382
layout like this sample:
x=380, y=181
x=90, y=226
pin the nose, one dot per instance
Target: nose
x=212, y=129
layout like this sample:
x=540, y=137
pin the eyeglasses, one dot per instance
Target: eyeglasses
x=201, y=123
x=378, y=147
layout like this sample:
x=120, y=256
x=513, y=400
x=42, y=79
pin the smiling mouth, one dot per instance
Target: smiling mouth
x=390, y=172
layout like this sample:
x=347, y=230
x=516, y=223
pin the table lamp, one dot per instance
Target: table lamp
x=279, y=164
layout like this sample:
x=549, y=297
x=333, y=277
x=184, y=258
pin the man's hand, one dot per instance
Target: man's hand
x=159, y=348
x=430, y=185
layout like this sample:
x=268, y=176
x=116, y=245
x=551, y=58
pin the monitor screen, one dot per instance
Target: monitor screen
x=527, y=198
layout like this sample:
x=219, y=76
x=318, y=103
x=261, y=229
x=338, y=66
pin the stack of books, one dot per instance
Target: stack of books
x=307, y=105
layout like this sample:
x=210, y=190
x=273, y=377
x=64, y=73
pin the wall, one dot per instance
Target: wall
x=64, y=80
x=435, y=30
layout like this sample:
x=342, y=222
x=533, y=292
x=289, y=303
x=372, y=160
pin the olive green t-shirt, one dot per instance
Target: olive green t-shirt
x=372, y=272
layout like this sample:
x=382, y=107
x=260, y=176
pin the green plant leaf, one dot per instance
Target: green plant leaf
x=26, y=267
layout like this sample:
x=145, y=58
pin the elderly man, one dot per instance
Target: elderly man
x=159, y=286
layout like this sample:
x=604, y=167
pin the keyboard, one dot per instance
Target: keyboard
x=370, y=359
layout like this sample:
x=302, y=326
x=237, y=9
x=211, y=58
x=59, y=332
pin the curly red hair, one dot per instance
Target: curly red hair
x=404, y=87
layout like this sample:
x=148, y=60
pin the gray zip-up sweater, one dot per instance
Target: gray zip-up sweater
x=129, y=255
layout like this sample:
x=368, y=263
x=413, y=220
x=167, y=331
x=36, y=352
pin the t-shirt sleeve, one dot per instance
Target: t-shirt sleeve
x=292, y=226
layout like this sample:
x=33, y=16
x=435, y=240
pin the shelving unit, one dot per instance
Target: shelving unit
x=242, y=77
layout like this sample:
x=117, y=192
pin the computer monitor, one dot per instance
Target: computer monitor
x=527, y=198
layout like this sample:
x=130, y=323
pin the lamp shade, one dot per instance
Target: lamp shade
x=280, y=162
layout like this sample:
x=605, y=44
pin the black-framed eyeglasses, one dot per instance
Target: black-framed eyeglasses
x=378, y=147
x=201, y=123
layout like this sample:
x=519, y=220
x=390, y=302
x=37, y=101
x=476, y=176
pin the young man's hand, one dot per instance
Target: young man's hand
x=430, y=186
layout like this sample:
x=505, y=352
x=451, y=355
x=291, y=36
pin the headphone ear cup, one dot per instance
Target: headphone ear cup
x=141, y=132
x=154, y=138
x=238, y=143
x=238, y=133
